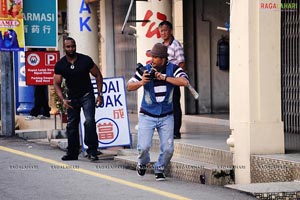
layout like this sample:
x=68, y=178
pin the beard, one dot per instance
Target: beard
x=71, y=54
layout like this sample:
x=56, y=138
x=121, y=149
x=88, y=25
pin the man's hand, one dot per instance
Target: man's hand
x=160, y=76
x=99, y=101
x=146, y=77
x=66, y=104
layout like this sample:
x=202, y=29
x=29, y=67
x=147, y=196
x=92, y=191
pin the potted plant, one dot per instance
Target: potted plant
x=59, y=105
x=61, y=111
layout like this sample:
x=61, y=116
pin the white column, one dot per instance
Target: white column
x=82, y=25
x=178, y=34
x=107, y=38
x=147, y=32
x=255, y=91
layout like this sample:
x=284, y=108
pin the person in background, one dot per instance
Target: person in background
x=75, y=68
x=176, y=56
x=156, y=112
x=41, y=108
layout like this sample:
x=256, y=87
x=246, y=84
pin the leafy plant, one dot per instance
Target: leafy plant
x=58, y=103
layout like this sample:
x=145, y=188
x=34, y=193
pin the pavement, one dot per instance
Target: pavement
x=209, y=131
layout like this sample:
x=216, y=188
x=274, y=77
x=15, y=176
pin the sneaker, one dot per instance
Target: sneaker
x=141, y=169
x=92, y=157
x=30, y=117
x=42, y=117
x=160, y=176
x=177, y=137
x=69, y=157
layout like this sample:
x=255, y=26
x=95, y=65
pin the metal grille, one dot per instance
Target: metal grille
x=125, y=48
x=290, y=73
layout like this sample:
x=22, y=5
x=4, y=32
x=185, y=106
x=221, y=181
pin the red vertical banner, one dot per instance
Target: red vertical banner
x=3, y=7
x=11, y=25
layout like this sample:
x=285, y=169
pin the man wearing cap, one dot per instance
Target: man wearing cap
x=158, y=80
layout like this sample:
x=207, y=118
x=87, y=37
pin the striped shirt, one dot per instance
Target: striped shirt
x=175, y=51
x=160, y=87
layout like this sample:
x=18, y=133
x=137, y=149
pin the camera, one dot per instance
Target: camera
x=141, y=69
x=151, y=74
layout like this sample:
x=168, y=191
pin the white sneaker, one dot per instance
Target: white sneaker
x=29, y=117
x=42, y=117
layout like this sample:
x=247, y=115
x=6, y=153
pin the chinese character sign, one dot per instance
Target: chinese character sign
x=11, y=25
x=152, y=13
x=112, y=123
x=40, y=23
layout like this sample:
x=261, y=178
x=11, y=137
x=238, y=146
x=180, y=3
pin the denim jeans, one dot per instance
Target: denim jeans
x=87, y=103
x=146, y=127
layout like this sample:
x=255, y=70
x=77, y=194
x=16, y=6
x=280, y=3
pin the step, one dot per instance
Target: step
x=194, y=152
x=275, y=168
x=276, y=190
x=23, y=123
x=219, y=119
x=184, y=169
x=30, y=134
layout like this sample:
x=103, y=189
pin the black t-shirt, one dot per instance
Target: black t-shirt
x=77, y=79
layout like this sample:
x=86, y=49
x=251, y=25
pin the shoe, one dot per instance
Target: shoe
x=69, y=157
x=42, y=117
x=141, y=169
x=160, y=177
x=92, y=157
x=30, y=117
x=177, y=137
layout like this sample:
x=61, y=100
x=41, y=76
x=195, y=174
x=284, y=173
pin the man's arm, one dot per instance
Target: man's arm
x=134, y=85
x=57, y=86
x=99, y=82
x=58, y=90
x=179, y=81
x=182, y=65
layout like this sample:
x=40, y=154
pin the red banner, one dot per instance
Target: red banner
x=40, y=67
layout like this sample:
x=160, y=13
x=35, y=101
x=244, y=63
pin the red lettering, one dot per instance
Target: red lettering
x=268, y=5
x=153, y=28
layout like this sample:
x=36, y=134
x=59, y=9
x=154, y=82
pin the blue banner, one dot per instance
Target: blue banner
x=40, y=23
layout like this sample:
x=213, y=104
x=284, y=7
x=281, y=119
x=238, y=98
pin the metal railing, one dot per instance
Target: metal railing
x=290, y=73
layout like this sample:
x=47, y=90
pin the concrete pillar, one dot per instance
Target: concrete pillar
x=177, y=13
x=82, y=26
x=147, y=33
x=255, y=91
x=107, y=38
x=7, y=95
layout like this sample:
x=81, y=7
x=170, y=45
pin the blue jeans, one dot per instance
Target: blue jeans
x=146, y=127
x=87, y=103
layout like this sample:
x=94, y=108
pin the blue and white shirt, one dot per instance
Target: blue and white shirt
x=160, y=87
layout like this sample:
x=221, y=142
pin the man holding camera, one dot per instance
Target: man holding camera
x=158, y=79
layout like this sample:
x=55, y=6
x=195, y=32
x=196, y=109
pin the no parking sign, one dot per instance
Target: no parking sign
x=40, y=67
x=112, y=123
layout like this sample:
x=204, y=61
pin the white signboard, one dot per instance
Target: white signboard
x=112, y=123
